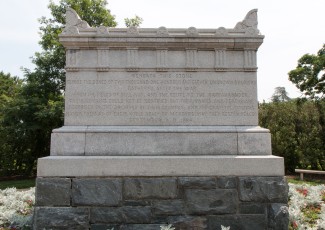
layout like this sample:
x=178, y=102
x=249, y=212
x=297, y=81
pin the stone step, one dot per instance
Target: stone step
x=96, y=166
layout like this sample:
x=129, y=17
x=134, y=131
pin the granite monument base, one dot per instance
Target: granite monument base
x=207, y=202
x=145, y=192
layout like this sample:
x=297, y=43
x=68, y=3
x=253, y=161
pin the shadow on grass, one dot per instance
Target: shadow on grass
x=19, y=184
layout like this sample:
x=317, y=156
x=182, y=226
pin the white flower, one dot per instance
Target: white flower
x=16, y=207
x=225, y=228
x=168, y=227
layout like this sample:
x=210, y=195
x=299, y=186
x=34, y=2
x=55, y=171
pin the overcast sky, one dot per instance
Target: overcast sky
x=291, y=28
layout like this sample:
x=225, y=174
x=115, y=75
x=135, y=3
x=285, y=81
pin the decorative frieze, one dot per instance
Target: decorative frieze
x=191, y=60
x=162, y=32
x=102, y=60
x=72, y=57
x=162, y=60
x=220, y=59
x=132, y=59
x=249, y=59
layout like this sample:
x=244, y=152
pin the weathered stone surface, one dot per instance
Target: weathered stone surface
x=148, y=143
x=71, y=144
x=137, y=202
x=263, y=189
x=150, y=188
x=140, y=227
x=145, y=106
x=168, y=207
x=53, y=191
x=210, y=207
x=160, y=77
x=61, y=218
x=123, y=215
x=159, y=166
x=278, y=216
x=197, y=182
x=237, y=222
x=227, y=182
x=252, y=208
x=104, y=227
x=217, y=201
x=254, y=144
x=153, y=98
x=188, y=222
x=92, y=191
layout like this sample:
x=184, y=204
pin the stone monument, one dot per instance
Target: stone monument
x=161, y=127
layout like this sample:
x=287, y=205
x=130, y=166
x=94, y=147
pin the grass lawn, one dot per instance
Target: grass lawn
x=19, y=184
x=309, y=180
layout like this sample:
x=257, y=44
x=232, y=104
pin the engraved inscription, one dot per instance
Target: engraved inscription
x=161, y=98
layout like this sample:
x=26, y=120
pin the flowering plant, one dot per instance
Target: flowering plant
x=306, y=207
x=16, y=208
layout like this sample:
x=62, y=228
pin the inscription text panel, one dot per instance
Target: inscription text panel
x=161, y=98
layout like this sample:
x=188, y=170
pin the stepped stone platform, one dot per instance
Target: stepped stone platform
x=161, y=127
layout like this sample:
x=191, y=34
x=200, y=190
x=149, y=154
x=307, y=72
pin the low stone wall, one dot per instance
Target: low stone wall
x=148, y=202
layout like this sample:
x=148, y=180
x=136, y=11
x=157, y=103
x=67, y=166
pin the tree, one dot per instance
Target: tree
x=9, y=87
x=52, y=60
x=297, y=132
x=29, y=118
x=133, y=22
x=280, y=94
x=309, y=75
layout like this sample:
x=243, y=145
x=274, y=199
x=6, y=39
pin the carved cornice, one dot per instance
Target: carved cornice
x=78, y=34
x=73, y=23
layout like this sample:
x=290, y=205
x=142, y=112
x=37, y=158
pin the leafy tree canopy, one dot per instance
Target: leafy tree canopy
x=92, y=11
x=136, y=21
x=280, y=94
x=297, y=130
x=27, y=121
x=309, y=75
x=9, y=87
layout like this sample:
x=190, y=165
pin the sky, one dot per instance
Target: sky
x=292, y=28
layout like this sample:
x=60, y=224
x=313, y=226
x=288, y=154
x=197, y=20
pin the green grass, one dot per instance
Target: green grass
x=308, y=181
x=312, y=213
x=19, y=184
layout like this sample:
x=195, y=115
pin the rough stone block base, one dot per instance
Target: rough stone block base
x=145, y=203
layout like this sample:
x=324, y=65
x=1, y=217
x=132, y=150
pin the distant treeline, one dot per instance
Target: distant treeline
x=298, y=132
